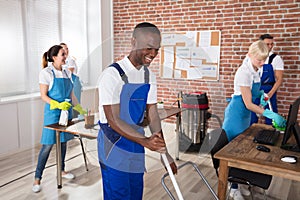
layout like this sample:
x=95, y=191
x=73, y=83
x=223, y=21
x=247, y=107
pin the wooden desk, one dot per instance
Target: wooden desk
x=241, y=153
x=77, y=128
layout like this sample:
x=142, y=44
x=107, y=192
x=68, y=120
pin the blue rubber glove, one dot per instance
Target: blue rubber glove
x=280, y=121
x=62, y=106
x=264, y=99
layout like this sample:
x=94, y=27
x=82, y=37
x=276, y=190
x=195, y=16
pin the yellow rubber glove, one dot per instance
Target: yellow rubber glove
x=62, y=106
x=65, y=105
x=53, y=104
x=79, y=109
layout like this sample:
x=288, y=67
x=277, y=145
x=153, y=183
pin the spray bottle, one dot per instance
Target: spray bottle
x=64, y=116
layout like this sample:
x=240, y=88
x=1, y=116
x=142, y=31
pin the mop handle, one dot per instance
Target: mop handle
x=269, y=102
x=164, y=157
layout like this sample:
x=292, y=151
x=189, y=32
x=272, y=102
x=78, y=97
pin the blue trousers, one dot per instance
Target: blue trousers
x=129, y=185
x=43, y=157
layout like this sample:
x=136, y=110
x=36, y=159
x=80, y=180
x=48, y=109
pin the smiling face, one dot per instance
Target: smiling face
x=60, y=58
x=145, y=47
x=65, y=47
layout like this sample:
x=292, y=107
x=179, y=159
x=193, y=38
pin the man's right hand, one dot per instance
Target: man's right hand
x=264, y=99
x=156, y=143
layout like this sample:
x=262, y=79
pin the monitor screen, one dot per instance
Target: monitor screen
x=292, y=128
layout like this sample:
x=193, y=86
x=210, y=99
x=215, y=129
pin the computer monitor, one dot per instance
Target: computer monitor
x=292, y=128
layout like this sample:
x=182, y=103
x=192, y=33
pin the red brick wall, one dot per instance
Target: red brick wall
x=241, y=22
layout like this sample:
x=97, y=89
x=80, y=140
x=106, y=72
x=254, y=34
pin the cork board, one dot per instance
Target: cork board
x=190, y=55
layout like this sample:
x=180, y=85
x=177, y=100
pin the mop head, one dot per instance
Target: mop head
x=279, y=128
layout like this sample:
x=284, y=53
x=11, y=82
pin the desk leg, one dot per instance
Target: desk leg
x=177, y=137
x=223, y=177
x=58, y=160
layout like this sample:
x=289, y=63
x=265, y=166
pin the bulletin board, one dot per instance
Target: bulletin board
x=190, y=55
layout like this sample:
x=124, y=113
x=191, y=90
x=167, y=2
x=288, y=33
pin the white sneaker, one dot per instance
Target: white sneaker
x=68, y=176
x=236, y=194
x=36, y=188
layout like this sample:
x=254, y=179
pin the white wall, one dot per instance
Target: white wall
x=21, y=120
x=21, y=117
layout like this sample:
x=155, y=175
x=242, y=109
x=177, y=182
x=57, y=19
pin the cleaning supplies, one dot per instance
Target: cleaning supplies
x=64, y=116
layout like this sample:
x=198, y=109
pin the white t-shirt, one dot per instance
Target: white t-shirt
x=71, y=63
x=110, y=85
x=46, y=76
x=245, y=76
x=277, y=63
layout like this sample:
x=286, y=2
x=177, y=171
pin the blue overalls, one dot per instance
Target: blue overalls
x=123, y=161
x=237, y=117
x=267, y=82
x=61, y=90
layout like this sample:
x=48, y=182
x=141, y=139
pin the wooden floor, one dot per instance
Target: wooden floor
x=17, y=173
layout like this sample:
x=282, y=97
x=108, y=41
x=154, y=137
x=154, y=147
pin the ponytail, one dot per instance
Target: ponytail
x=44, y=60
x=48, y=56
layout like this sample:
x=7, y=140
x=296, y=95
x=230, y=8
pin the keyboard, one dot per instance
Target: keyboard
x=268, y=137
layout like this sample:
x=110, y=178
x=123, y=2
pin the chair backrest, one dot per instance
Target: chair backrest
x=221, y=142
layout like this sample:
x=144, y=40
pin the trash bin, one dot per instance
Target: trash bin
x=194, y=118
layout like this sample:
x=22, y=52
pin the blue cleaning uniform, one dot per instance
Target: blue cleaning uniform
x=123, y=161
x=61, y=90
x=267, y=82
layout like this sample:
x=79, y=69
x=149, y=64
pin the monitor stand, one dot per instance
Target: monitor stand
x=291, y=147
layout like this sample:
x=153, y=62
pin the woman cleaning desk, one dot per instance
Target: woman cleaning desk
x=55, y=86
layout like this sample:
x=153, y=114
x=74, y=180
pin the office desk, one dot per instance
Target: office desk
x=241, y=153
x=77, y=128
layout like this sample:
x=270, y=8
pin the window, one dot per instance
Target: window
x=29, y=28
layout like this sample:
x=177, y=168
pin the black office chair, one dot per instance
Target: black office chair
x=236, y=175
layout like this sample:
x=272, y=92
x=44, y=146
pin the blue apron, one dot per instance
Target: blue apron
x=77, y=87
x=237, y=117
x=124, y=158
x=267, y=82
x=61, y=90
x=77, y=91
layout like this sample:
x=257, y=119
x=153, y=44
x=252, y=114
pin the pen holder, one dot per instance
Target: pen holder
x=89, y=121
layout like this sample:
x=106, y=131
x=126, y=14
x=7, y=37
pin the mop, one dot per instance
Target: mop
x=266, y=98
x=178, y=192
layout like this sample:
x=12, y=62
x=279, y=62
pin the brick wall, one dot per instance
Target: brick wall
x=241, y=22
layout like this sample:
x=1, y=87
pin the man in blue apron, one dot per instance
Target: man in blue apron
x=247, y=88
x=271, y=78
x=128, y=92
